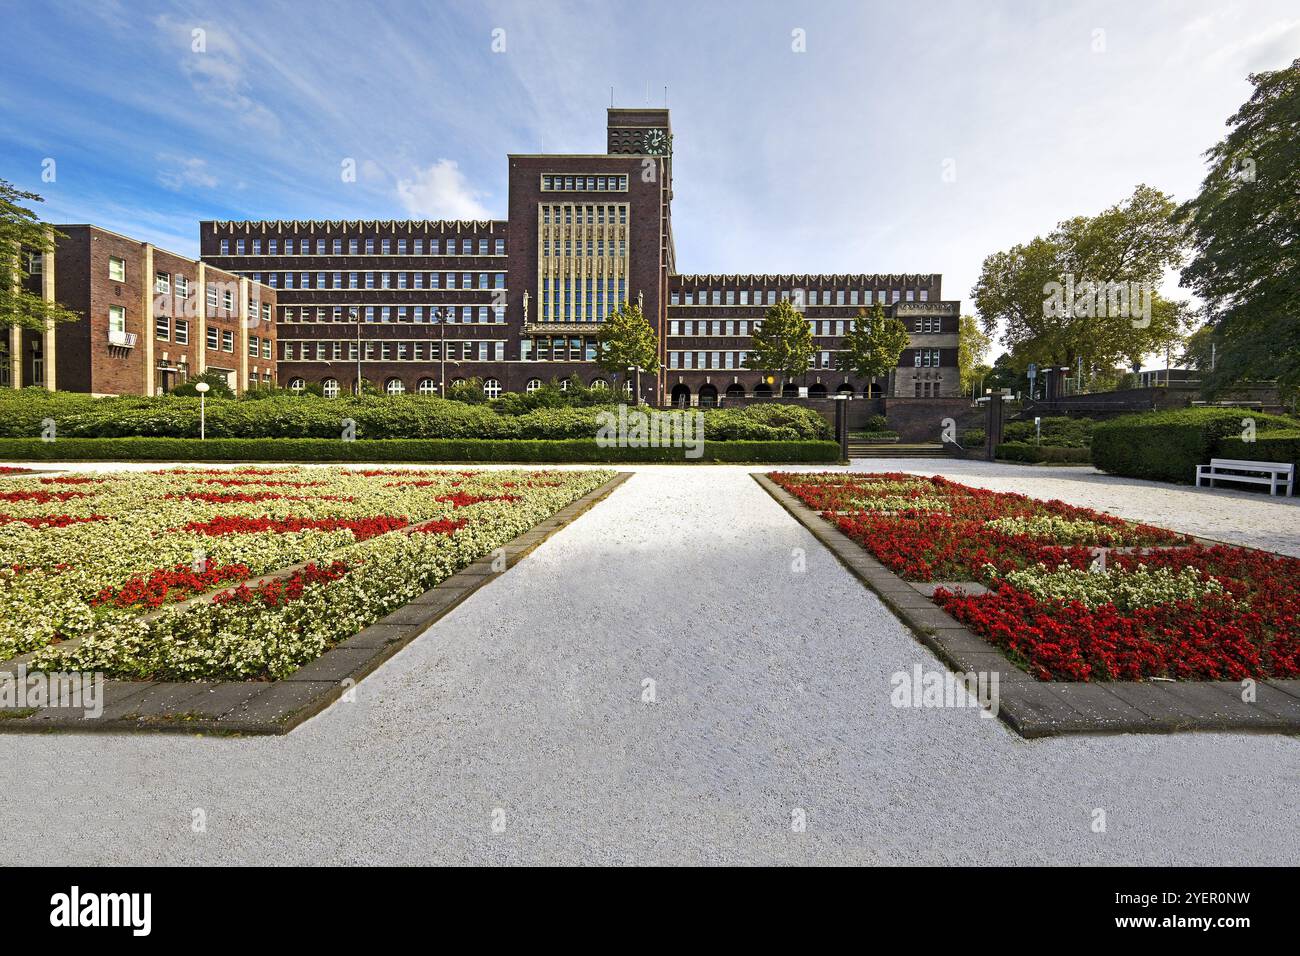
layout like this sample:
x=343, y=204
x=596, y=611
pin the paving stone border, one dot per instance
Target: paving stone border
x=276, y=707
x=1036, y=708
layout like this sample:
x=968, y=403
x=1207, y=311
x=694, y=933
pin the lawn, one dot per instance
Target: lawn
x=100, y=571
x=1074, y=594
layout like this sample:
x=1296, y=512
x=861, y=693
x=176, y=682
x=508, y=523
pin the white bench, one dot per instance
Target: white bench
x=1275, y=474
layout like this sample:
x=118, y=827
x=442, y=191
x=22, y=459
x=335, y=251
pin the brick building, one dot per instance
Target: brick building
x=415, y=306
x=150, y=319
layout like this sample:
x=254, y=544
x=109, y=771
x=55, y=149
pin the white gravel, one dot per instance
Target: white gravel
x=772, y=694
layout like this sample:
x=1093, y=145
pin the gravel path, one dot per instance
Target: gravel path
x=772, y=693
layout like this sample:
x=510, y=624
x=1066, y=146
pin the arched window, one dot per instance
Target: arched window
x=708, y=396
x=599, y=383
x=330, y=387
x=533, y=385
x=426, y=386
x=735, y=390
x=394, y=386
x=564, y=386
x=297, y=385
x=491, y=388
x=456, y=381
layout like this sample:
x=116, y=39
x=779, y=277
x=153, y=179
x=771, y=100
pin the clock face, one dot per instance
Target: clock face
x=656, y=142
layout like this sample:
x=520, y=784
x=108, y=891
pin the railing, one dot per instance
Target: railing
x=121, y=340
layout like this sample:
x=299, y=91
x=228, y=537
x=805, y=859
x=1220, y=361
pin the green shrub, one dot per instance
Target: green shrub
x=375, y=417
x=1063, y=432
x=882, y=437
x=1023, y=451
x=401, y=450
x=1278, y=445
x=1168, y=445
x=876, y=423
x=973, y=438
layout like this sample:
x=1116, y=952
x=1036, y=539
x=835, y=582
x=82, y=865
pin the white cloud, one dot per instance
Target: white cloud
x=185, y=171
x=213, y=62
x=441, y=191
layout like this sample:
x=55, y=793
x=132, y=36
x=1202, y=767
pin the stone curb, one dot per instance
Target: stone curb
x=276, y=707
x=1034, y=708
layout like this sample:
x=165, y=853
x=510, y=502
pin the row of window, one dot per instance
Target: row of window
x=394, y=350
x=383, y=280
x=581, y=300
x=923, y=358
x=435, y=314
x=368, y=246
x=427, y=386
x=800, y=297
x=554, y=183
x=594, y=248
x=219, y=294
x=584, y=215
x=741, y=327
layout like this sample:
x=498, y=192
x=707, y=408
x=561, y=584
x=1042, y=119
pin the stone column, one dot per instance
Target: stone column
x=242, y=337
x=201, y=313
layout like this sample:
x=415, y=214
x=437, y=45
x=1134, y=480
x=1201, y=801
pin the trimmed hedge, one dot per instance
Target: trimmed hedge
x=23, y=411
x=1023, y=451
x=1168, y=445
x=1061, y=431
x=429, y=450
x=1280, y=445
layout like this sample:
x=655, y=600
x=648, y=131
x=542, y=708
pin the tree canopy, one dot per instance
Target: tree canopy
x=1086, y=290
x=783, y=344
x=22, y=234
x=1244, y=229
x=873, y=345
x=626, y=340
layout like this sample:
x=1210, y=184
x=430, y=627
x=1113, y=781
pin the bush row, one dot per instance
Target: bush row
x=1280, y=445
x=23, y=414
x=1061, y=431
x=1168, y=445
x=404, y=450
x=1024, y=451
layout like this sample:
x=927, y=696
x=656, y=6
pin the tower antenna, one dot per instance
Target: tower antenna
x=611, y=97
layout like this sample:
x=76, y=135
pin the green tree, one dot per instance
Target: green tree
x=972, y=346
x=22, y=234
x=873, y=345
x=627, y=340
x=218, y=386
x=1054, y=298
x=783, y=344
x=1244, y=229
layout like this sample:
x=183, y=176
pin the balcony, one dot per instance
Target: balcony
x=121, y=340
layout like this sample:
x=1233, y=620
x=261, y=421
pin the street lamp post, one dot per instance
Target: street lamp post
x=202, y=389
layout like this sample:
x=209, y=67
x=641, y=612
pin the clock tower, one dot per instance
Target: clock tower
x=646, y=136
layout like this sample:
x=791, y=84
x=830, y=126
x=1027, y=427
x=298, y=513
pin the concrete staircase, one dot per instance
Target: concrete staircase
x=859, y=449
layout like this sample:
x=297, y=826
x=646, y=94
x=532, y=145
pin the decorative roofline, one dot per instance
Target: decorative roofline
x=248, y=226
x=810, y=277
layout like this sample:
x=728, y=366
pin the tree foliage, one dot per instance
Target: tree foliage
x=22, y=234
x=1067, y=295
x=783, y=344
x=1244, y=229
x=626, y=340
x=873, y=345
x=972, y=346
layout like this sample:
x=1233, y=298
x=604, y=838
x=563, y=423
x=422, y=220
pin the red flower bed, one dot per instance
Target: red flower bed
x=1252, y=631
x=14, y=470
x=51, y=521
x=361, y=528
x=41, y=497
x=244, y=483
x=168, y=584
x=253, y=497
x=72, y=480
x=283, y=590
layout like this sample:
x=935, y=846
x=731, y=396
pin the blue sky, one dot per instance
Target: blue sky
x=832, y=159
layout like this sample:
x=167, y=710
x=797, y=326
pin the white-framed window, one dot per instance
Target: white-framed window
x=330, y=387
x=492, y=388
x=533, y=385
x=162, y=282
x=395, y=386
x=182, y=332
x=297, y=385
x=426, y=386
x=599, y=383
x=227, y=341
x=116, y=269
x=116, y=323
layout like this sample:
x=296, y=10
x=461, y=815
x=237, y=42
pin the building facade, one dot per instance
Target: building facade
x=417, y=306
x=150, y=320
